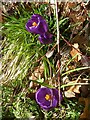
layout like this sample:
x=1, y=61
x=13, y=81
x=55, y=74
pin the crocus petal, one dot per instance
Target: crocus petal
x=41, y=27
x=46, y=38
x=45, y=104
x=36, y=16
x=55, y=97
x=28, y=25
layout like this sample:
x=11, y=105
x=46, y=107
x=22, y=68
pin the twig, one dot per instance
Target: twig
x=69, y=44
x=58, y=48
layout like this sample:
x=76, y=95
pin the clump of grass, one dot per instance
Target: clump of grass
x=21, y=48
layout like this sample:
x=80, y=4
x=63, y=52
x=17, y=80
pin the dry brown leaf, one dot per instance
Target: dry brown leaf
x=76, y=18
x=76, y=89
x=85, y=88
x=49, y=53
x=69, y=94
x=85, y=61
x=1, y=16
x=38, y=73
x=73, y=89
x=86, y=112
x=76, y=52
x=81, y=40
x=75, y=12
x=71, y=67
x=71, y=4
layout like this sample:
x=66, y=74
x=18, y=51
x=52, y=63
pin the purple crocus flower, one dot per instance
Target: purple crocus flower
x=46, y=38
x=47, y=98
x=37, y=24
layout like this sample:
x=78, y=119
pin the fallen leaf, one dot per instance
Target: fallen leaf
x=38, y=73
x=81, y=40
x=77, y=18
x=76, y=12
x=69, y=94
x=76, y=89
x=85, y=88
x=72, y=89
x=71, y=4
x=49, y=53
x=71, y=67
x=76, y=52
x=85, y=60
x=86, y=111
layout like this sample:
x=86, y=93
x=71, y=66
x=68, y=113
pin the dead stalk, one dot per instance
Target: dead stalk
x=58, y=48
